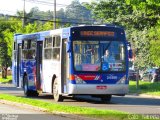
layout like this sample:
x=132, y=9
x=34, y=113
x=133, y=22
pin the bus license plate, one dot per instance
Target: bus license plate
x=101, y=87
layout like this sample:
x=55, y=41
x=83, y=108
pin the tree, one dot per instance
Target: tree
x=146, y=12
x=111, y=11
x=140, y=19
x=76, y=13
x=155, y=51
x=30, y=17
x=155, y=45
x=7, y=30
x=5, y=46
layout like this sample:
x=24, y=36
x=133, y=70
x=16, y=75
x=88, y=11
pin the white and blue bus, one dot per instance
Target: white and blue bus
x=70, y=61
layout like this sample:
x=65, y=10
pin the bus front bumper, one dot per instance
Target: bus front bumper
x=98, y=89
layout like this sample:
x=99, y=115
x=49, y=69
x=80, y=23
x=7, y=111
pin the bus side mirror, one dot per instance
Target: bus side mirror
x=69, y=46
x=130, y=54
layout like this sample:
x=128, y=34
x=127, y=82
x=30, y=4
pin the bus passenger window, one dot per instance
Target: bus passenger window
x=33, y=44
x=56, y=53
x=25, y=45
x=48, y=42
x=48, y=48
x=24, y=54
x=57, y=41
x=31, y=54
x=47, y=53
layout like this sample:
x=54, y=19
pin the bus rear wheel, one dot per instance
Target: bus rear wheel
x=56, y=95
x=25, y=87
x=28, y=92
x=106, y=98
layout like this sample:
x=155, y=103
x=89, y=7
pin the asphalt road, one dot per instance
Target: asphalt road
x=129, y=103
x=9, y=112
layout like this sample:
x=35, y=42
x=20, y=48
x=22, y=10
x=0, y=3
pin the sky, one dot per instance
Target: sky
x=12, y=6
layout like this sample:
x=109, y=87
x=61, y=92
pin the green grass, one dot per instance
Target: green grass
x=7, y=80
x=51, y=107
x=145, y=88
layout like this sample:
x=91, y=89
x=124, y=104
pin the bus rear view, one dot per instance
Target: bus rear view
x=98, y=61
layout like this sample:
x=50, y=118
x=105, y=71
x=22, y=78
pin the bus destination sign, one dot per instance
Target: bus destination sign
x=97, y=33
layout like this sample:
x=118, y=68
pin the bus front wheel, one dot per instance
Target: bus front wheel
x=56, y=95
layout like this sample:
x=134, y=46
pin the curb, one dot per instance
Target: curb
x=144, y=95
x=149, y=96
x=21, y=105
x=62, y=114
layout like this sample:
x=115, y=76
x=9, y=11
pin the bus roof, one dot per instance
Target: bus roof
x=64, y=32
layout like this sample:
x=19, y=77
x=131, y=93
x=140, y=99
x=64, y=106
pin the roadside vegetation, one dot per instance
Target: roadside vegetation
x=6, y=80
x=145, y=88
x=81, y=111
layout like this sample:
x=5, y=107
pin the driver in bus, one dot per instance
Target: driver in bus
x=108, y=57
x=107, y=60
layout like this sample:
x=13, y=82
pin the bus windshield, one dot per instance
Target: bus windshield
x=99, y=55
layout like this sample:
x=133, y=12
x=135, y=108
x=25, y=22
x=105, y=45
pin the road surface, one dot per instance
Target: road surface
x=129, y=103
x=9, y=112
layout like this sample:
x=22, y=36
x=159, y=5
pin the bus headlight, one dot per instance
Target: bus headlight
x=122, y=80
x=79, y=80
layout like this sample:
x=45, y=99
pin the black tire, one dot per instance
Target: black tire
x=28, y=92
x=106, y=98
x=25, y=86
x=56, y=95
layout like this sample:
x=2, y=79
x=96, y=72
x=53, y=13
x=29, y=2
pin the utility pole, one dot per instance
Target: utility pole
x=23, y=20
x=54, y=16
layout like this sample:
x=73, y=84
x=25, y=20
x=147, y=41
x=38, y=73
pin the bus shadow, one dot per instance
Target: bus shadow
x=126, y=100
x=70, y=99
x=119, y=100
x=89, y=99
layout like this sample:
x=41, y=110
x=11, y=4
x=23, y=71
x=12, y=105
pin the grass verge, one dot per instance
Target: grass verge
x=145, y=88
x=51, y=107
x=7, y=80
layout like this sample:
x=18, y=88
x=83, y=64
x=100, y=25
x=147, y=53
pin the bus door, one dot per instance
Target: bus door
x=38, y=64
x=65, y=66
x=19, y=52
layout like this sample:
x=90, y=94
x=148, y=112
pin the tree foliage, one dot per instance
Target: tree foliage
x=140, y=19
x=6, y=37
x=77, y=13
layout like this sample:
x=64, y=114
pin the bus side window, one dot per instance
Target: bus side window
x=48, y=48
x=47, y=53
x=56, y=47
x=24, y=54
x=31, y=54
x=25, y=44
x=57, y=41
x=56, y=54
